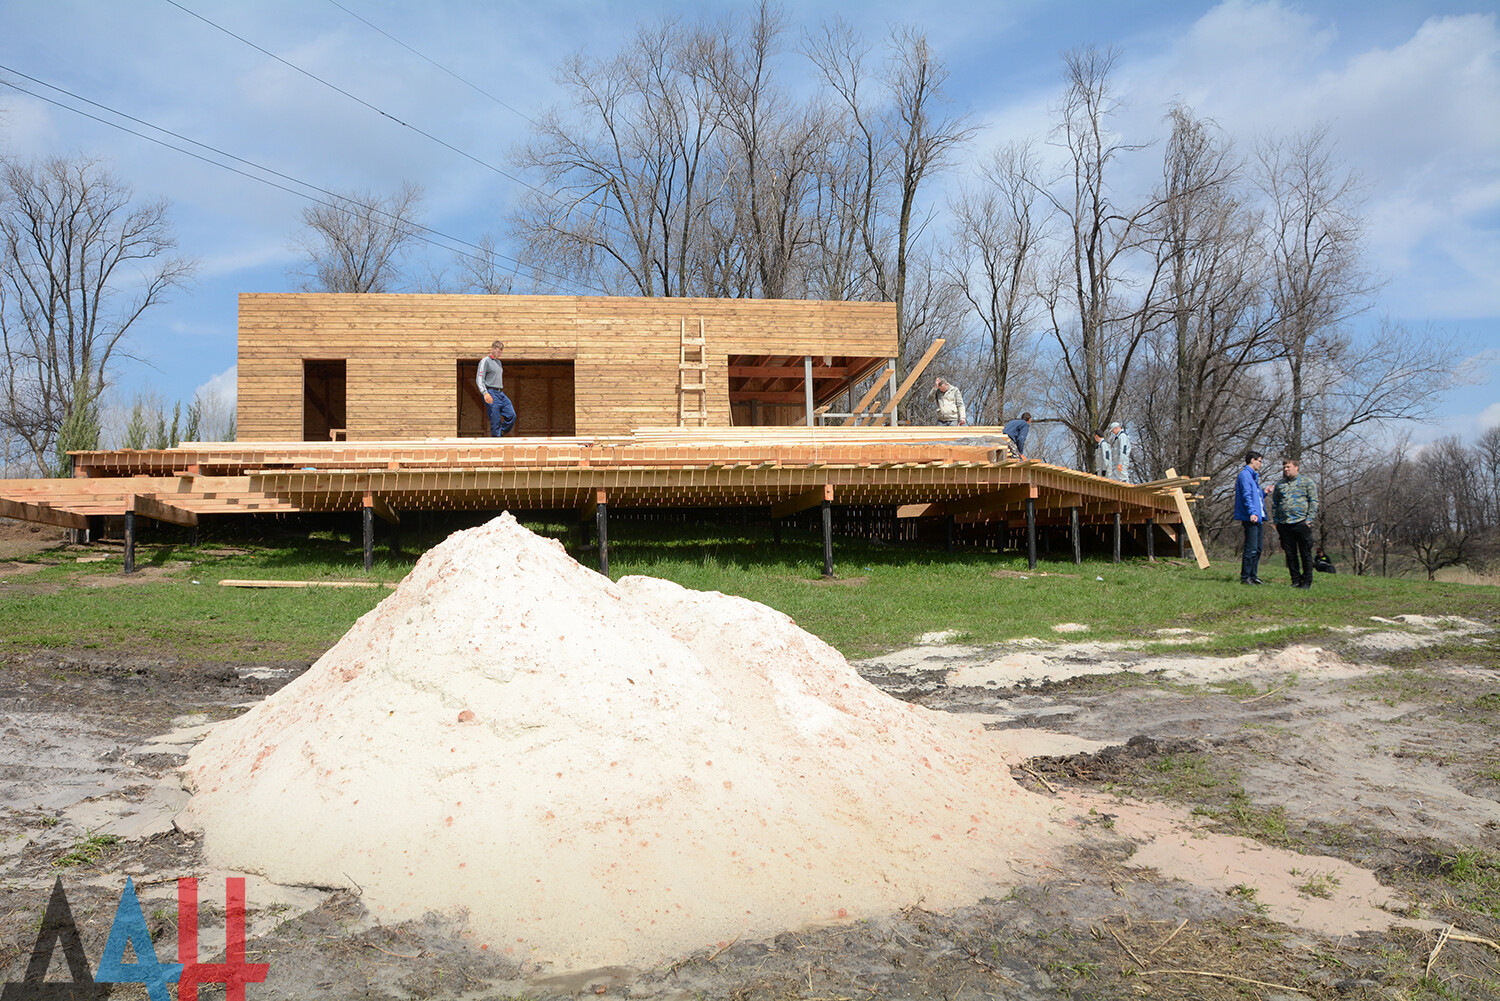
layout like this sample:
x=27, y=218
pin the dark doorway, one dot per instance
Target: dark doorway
x=324, y=416
x=541, y=392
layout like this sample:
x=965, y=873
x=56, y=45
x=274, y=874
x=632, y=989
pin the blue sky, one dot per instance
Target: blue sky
x=1411, y=91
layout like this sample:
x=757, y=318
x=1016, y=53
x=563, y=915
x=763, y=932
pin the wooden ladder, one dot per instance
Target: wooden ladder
x=692, y=379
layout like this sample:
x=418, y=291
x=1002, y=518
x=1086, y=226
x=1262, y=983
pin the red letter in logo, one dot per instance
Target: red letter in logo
x=234, y=973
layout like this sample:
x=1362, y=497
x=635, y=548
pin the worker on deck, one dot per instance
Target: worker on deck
x=491, y=380
x=1119, y=453
x=1017, y=431
x=1101, y=455
x=950, y=403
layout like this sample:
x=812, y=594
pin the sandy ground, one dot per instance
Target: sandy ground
x=1285, y=817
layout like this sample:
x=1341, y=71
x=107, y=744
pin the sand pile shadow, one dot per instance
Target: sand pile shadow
x=604, y=773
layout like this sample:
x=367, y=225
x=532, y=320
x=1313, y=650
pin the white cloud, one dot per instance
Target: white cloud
x=224, y=387
x=1489, y=417
x=1419, y=121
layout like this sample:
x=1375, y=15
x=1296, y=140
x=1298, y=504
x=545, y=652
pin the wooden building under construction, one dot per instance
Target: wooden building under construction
x=367, y=404
x=315, y=367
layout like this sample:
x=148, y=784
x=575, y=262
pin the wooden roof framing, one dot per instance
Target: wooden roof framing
x=780, y=379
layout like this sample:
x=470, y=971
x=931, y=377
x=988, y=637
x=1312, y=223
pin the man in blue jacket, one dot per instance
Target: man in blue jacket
x=1250, y=511
x=1017, y=430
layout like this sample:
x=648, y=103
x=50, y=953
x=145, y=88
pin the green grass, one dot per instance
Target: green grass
x=882, y=597
x=87, y=849
x=1318, y=884
x=1474, y=876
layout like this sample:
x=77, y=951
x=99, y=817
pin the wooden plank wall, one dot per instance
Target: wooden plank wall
x=401, y=351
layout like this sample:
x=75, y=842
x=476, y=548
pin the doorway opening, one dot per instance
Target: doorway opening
x=541, y=392
x=324, y=400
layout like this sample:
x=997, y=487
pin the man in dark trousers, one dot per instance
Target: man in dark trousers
x=1250, y=511
x=1017, y=430
x=491, y=380
x=1294, y=504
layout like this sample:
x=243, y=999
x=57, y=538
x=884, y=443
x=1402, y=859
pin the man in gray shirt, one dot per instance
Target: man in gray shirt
x=491, y=381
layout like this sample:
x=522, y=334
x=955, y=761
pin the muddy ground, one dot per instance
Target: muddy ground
x=1302, y=822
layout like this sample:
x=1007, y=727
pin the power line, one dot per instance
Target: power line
x=482, y=255
x=361, y=101
x=419, y=55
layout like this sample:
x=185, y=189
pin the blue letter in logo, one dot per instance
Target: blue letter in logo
x=130, y=928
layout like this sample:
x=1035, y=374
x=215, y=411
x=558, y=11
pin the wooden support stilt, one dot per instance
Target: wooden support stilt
x=193, y=536
x=1117, y=536
x=1151, y=540
x=827, y=538
x=1077, y=533
x=948, y=530
x=1181, y=545
x=1031, y=532
x=601, y=525
x=130, y=542
x=367, y=519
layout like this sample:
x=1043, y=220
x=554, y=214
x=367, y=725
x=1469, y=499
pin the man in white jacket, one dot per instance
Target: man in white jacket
x=1119, y=453
x=950, y=403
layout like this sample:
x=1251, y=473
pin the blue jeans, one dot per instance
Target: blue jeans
x=502, y=414
x=1250, y=562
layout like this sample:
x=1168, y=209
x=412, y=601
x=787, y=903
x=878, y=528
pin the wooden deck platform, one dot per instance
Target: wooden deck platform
x=967, y=474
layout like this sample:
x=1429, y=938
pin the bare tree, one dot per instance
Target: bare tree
x=923, y=142
x=481, y=271
x=778, y=148
x=935, y=308
x=356, y=242
x=1487, y=461
x=1203, y=399
x=864, y=159
x=1353, y=386
x=1099, y=317
x=79, y=265
x=1313, y=234
x=632, y=165
x=996, y=237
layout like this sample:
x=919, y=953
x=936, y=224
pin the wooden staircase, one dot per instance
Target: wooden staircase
x=692, y=379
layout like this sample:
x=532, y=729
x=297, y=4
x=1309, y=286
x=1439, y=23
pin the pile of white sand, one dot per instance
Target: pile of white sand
x=604, y=773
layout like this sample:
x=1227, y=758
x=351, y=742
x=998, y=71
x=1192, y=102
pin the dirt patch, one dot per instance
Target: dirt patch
x=10, y=568
x=839, y=581
x=1390, y=772
x=21, y=539
x=141, y=575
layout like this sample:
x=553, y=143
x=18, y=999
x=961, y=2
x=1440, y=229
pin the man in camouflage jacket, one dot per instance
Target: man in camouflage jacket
x=1294, y=504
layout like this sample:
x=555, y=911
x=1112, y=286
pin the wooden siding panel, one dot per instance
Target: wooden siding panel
x=401, y=352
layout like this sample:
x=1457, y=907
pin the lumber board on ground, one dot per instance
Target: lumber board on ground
x=303, y=583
